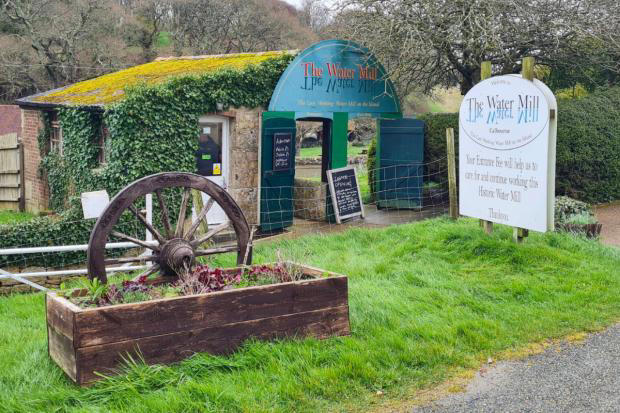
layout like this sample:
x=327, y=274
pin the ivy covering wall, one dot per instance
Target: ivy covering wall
x=153, y=129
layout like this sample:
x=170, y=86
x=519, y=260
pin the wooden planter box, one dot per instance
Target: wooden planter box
x=85, y=341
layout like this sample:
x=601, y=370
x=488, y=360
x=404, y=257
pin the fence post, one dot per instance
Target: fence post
x=454, y=206
x=485, y=73
x=527, y=72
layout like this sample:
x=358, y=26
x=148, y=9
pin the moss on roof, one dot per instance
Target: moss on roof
x=111, y=87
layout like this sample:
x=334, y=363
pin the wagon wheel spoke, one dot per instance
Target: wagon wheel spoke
x=165, y=216
x=210, y=234
x=181, y=218
x=201, y=216
x=218, y=250
x=146, y=273
x=135, y=240
x=148, y=226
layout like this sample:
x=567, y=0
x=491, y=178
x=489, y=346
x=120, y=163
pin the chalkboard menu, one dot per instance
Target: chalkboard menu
x=282, y=151
x=345, y=193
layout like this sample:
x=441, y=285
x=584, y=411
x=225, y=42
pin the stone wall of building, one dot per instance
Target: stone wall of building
x=11, y=286
x=310, y=199
x=37, y=193
x=244, y=153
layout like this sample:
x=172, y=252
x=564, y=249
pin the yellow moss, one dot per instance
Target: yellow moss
x=110, y=88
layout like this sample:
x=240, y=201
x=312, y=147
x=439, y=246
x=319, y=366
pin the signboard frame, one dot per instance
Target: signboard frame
x=332, y=192
x=523, y=151
x=291, y=156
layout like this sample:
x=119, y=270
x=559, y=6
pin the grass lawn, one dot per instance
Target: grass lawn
x=427, y=300
x=10, y=217
x=317, y=151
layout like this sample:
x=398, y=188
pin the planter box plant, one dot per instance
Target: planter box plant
x=87, y=341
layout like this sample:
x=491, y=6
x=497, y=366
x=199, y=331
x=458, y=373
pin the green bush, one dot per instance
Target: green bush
x=566, y=207
x=67, y=228
x=588, y=146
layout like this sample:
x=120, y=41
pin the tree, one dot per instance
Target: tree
x=426, y=43
x=52, y=43
x=315, y=15
x=227, y=26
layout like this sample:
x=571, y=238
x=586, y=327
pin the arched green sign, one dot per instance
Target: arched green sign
x=335, y=76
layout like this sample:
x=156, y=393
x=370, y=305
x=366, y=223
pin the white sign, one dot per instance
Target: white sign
x=93, y=203
x=507, y=153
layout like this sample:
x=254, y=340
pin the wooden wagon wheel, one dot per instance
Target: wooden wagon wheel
x=176, y=248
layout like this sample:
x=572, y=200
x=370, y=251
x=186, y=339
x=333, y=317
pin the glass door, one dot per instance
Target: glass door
x=212, y=158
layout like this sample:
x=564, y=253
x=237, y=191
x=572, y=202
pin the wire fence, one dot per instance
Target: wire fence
x=398, y=192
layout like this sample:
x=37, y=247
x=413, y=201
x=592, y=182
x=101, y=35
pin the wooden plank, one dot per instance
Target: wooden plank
x=223, y=339
x=60, y=314
x=485, y=73
x=8, y=148
x=454, y=207
x=98, y=326
x=10, y=172
x=61, y=350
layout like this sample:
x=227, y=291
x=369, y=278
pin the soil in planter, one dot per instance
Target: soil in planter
x=203, y=279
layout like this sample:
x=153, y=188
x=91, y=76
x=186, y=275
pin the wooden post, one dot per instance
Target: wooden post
x=527, y=72
x=518, y=234
x=485, y=73
x=527, y=68
x=454, y=206
x=198, y=205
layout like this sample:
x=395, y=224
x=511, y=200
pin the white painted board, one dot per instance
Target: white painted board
x=93, y=203
x=507, y=153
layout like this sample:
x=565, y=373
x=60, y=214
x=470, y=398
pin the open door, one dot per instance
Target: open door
x=400, y=155
x=277, y=170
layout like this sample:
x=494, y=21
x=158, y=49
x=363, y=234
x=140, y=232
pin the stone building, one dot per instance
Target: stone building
x=330, y=82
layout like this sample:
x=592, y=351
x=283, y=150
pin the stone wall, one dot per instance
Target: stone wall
x=310, y=199
x=37, y=193
x=244, y=153
x=11, y=286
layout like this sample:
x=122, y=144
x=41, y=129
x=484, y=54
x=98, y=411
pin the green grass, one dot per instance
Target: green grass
x=317, y=151
x=10, y=217
x=427, y=300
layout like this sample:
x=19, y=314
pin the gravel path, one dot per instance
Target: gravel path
x=577, y=377
x=609, y=216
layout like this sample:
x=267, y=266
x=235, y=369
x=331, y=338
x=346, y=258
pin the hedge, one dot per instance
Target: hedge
x=588, y=147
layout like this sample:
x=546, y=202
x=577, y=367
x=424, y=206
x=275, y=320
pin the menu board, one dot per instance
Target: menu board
x=345, y=193
x=282, y=151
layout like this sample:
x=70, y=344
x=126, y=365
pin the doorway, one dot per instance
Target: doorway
x=212, y=158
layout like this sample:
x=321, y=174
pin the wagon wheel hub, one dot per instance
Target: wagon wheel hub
x=176, y=255
x=178, y=245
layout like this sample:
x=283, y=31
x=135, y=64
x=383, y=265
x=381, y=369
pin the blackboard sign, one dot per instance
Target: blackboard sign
x=282, y=151
x=345, y=193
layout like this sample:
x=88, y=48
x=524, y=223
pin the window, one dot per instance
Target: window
x=101, y=143
x=55, y=134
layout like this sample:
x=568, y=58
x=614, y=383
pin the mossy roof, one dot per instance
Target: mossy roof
x=110, y=88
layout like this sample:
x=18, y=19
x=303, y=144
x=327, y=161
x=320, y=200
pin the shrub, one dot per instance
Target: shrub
x=566, y=207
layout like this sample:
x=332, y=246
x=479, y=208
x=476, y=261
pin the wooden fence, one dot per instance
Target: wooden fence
x=12, y=192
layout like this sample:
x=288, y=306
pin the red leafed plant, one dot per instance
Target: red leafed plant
x=205, y=280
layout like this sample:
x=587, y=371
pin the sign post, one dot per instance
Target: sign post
x=507, y=152
x=345, y=193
